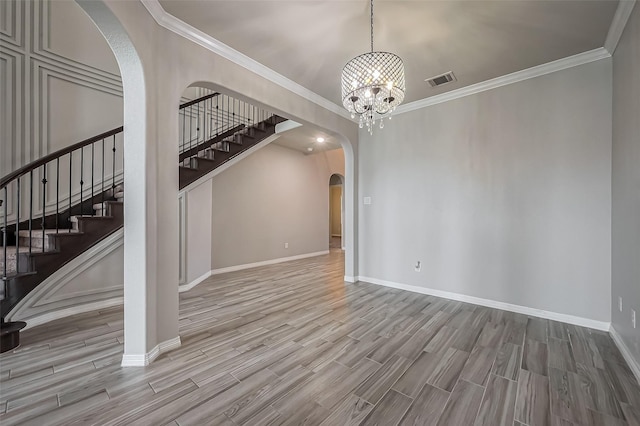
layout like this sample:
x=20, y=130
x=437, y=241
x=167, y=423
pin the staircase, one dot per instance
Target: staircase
x=36, y=241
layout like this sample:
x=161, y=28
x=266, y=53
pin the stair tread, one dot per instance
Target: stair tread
x=37, y=233
x=88, y=216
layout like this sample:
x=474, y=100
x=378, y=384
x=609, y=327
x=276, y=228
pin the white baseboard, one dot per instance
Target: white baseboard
x=634, y=364
x=569, y=319
x=192, y=284
x=350, y=279
x=142, y=360
x=73, y=310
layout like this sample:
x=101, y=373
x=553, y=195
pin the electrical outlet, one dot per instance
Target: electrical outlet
x=633, y=318
x=418, y=266
x=286, y=245
x=620, y=303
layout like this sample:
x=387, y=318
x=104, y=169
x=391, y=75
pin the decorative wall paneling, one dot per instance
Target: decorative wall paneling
x=50, y=99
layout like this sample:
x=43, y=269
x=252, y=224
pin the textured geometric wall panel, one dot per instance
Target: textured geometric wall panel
x=59, y=80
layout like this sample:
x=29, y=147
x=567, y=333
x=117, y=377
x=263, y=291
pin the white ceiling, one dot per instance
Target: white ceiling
x=309, y=41
x=304, y=137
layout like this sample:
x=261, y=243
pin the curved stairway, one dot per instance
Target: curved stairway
x=32, y=249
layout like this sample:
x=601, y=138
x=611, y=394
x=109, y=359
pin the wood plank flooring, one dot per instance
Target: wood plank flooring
x=291, y=344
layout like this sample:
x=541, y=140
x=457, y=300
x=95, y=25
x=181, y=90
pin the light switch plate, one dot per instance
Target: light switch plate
x=367, y=200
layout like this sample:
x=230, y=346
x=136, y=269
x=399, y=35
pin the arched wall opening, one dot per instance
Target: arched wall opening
x=151, y=218
x=336, y=211
x=271, y=206
x=148, y=329
x=349, y=240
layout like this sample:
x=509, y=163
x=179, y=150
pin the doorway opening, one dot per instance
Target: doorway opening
x=336, y=211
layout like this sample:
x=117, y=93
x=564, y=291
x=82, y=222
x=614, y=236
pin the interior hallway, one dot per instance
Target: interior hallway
x=290, y=343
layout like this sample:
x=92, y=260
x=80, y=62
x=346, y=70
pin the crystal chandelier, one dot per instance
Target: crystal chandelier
x=373, y=85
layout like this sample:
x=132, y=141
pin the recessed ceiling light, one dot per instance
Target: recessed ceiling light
x=320, y=139
x=309, y=149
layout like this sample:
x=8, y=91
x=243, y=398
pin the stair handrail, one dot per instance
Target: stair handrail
x=195, y=101
x=54, y=155
x=207, y=123
x=4, y=181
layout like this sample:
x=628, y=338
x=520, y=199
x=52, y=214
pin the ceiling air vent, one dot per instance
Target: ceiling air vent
x=439, y=80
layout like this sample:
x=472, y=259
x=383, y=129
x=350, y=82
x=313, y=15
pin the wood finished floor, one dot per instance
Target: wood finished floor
x=291, y=344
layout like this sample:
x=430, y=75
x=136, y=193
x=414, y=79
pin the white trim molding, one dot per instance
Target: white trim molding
x=634, y=364
x=625, y=7
x=186, y=287
x=569, y=319
x=537, y=71
x=203, y=39
x=143, y=360
x=235, y=268
x=73, y=310
x=44, y=304
x=350, y=279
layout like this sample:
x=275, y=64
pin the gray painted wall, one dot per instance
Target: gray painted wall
x=275, y=195
x=198, y=224
x=626, y=183
x=503, y=195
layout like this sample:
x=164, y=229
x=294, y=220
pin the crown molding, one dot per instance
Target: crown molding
x=189, y=32
x=625, y=7
x=549, y=67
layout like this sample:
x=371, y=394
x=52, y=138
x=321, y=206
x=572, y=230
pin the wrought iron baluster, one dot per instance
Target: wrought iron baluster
x=102, y=181
x=17, y=233
x=70, y=182
x=93, y=212
x=184, y=131
x=44, y=203
x=81, y=180
x=113, y=167
x=5, y=230
x=30, y=210
x=57, y=193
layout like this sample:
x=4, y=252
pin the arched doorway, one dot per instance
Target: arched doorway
x=150, y=291
x=336, y=211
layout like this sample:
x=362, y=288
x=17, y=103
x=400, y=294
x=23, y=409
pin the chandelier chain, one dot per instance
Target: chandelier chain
x=372, y=25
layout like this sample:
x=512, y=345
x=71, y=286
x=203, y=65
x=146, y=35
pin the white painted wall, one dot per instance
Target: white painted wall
x=275, y=195
x=503, y=195
x=626, y=184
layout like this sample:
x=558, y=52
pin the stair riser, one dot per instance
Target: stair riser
x=11, y=266
x=92, y=226
x=36, y=241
